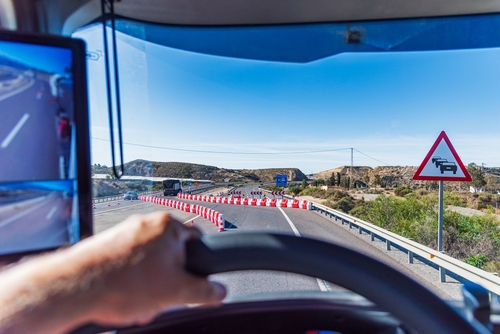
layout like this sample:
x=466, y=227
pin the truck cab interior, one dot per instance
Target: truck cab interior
x=380, y=299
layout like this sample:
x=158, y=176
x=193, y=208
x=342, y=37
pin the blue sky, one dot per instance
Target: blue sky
x=47, y=58
x=389, y=107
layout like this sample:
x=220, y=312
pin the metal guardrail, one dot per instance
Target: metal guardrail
x=115, y=197
x=198, y=190
x=488, y=280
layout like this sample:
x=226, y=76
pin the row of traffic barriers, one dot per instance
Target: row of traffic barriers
x=215, y=217
x=272, y=202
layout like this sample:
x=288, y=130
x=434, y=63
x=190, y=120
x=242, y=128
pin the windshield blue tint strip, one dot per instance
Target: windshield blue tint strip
x=309, y=42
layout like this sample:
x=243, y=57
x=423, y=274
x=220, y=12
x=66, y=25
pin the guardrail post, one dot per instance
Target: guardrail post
x=372, y=236
x=494, y=296
x=410, y=254
x=350, y=225
x=387, y=245
x=360, y=230
x=442, y=272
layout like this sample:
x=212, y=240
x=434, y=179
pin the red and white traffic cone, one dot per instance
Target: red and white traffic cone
x=109, y=203
x=94, y=206
x=221, y=223
x=118, y=202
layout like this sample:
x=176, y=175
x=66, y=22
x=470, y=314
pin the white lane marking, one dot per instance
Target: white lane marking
x=189, y=220
x=323, y=286
x=14, y=131
x=294, y=229
x=49, y=215
x=232, y=223
x=21, y=204
x=111, y=210
x=17, y=91
x=20, y=214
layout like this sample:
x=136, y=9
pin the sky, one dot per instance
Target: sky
x=54, y=60
x=246, y=114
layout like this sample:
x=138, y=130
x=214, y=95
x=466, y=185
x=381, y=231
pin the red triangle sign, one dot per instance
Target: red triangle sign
x=442, y=163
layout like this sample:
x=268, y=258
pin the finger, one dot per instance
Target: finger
x=194, y=232
x=203, y=291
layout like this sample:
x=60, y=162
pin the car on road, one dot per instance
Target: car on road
x=130, y=195
x=448, y=166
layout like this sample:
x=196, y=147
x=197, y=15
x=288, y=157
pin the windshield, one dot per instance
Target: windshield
x=337, y=114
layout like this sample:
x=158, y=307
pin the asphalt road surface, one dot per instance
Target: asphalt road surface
x=30, y=148
x=35, y=223
x=263, y=219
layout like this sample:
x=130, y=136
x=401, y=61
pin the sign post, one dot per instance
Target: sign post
x=442, y=163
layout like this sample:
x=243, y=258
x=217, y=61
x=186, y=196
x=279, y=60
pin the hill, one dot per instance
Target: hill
x=398, y=176
x=202, y=172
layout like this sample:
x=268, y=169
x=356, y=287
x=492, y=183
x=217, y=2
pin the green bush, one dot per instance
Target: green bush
x=402, y=191
x=294, y=190
x=477, y=261
x=422, y=192
x=492, y=266
x=452, y=199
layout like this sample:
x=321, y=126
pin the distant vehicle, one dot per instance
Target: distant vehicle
x=172, y=187
x=438, y=162
x=130, y=195
x=448, y=166
x=434, y=158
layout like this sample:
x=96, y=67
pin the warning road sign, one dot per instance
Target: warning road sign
x=442, y=163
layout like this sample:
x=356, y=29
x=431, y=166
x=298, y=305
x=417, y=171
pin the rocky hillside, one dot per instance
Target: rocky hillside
x=203, y=172
x=391, y=176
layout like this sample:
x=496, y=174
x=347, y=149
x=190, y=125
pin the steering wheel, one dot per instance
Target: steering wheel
x=396, y=293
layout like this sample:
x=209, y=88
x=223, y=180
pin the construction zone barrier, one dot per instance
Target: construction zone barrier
x=215, y=217
x=282, y=203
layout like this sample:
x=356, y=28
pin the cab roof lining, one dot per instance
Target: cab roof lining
x=77, y=13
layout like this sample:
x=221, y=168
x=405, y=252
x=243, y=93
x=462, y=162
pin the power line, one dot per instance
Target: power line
x=366, y=155
x=224, y=152
x=243, y=153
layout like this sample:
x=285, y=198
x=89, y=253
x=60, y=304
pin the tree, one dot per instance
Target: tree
x=477, y=175
x=304, y=184
x=332, y=179
x=376, y=180
x=319, y=182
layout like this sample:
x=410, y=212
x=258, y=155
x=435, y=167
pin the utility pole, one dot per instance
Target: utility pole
x=350, y=172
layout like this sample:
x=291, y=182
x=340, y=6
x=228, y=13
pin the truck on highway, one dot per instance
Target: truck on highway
x=171, y=187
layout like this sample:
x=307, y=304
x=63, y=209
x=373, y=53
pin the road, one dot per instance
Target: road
x=263, y=219
x=22, y=229
x=29, y=138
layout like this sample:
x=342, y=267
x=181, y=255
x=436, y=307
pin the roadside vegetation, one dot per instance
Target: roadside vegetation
x=412, y=213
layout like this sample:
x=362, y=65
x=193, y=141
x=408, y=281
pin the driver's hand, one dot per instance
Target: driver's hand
x=140, y=270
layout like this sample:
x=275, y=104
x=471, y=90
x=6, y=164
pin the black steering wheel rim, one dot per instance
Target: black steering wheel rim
x=395, y=292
